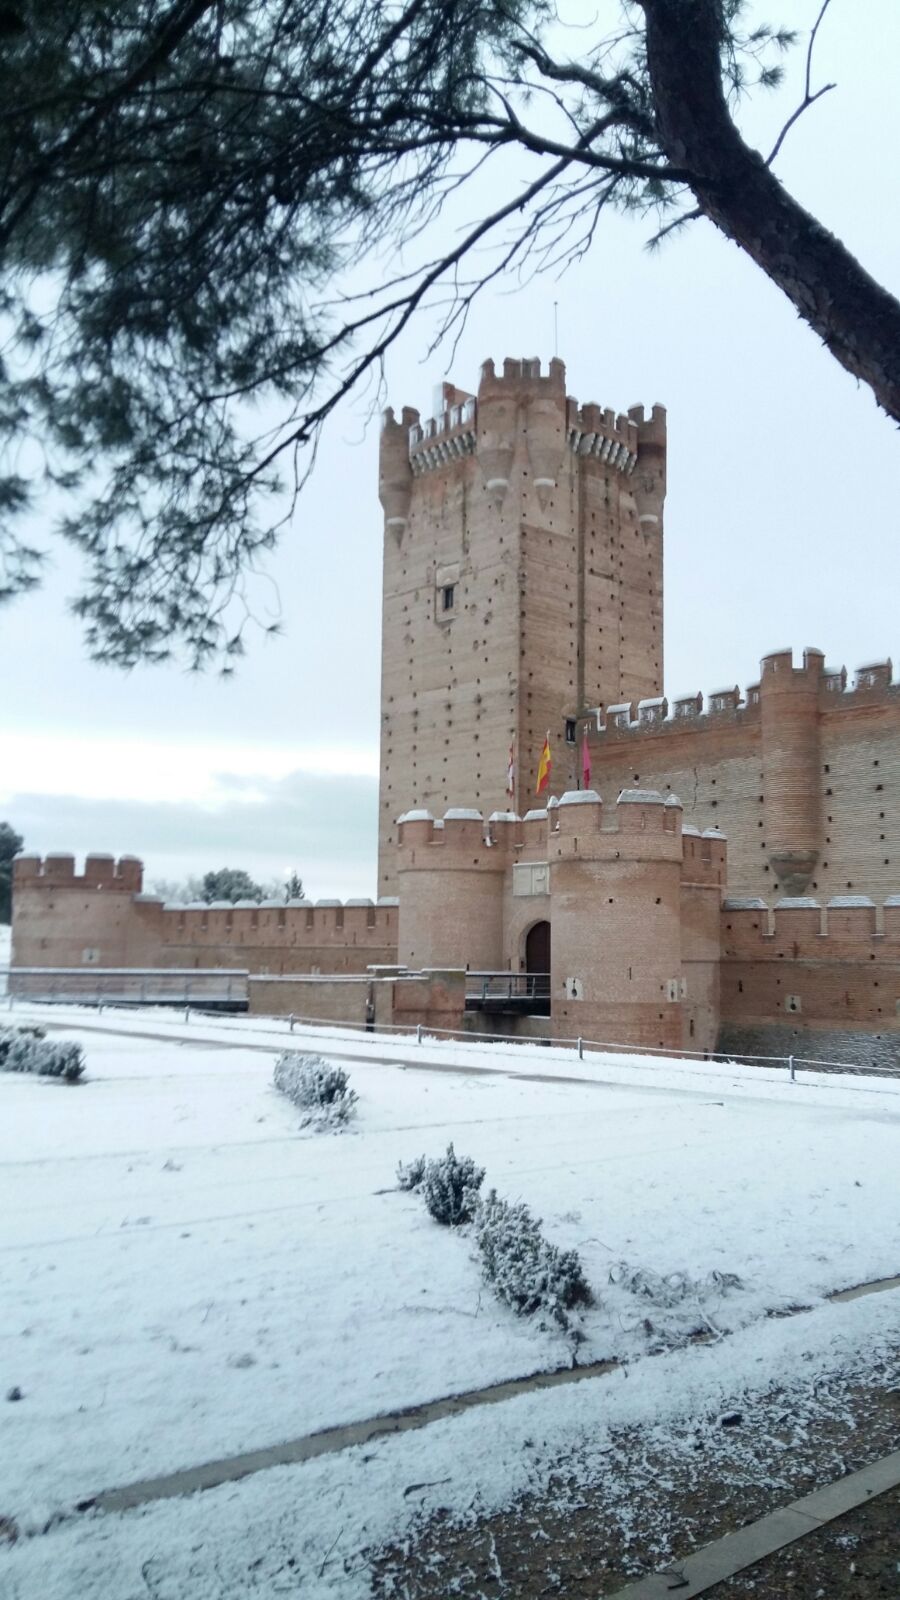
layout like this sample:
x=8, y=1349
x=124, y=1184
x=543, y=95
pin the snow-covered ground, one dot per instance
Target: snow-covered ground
x=186, y=1274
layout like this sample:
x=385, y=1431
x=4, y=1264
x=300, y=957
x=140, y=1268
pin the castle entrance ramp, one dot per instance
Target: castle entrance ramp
x=511, y=994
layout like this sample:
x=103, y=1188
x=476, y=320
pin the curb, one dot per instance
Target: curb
x=734, y=1551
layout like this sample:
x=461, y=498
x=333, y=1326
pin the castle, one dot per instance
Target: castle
x=735, y=884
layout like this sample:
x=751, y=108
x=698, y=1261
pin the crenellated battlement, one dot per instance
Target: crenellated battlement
x=276, y=924
x=613, y=438
x=871, y=682
x=872, y=685
x=650, y=716
x=57, y=871
x=600, y=433
x=577, y=820
x=797, y=928
x=524, y=373
x=445, y=437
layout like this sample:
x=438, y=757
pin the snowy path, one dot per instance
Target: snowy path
x=348, y=1435
x=307, y=1530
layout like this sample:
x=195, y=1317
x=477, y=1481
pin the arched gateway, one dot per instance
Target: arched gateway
x=537, y=958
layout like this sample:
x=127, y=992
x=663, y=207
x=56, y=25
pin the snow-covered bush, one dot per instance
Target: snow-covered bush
x=27, y=1050
x=524, y=1269
x=9, y=1035
x=320, y=1088
x=411, y=1173
x=450, y=1188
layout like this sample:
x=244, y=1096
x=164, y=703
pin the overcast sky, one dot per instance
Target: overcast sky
x=781, y=527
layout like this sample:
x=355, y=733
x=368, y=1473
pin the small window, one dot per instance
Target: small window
x=570, y=730
x=448, y=595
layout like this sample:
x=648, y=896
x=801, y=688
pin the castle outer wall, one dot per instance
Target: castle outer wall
x=819, y=981
x=101, y=918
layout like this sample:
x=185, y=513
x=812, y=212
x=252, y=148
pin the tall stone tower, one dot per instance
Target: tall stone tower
x=523, y=585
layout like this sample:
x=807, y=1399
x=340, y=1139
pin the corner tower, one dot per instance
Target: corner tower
x=523, y=575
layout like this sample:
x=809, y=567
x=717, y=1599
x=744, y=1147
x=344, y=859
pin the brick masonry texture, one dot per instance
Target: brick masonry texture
x=803, y=775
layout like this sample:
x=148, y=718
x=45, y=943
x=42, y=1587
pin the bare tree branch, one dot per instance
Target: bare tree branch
x=809, y=99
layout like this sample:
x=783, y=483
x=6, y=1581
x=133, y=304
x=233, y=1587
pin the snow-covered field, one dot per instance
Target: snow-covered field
x=186, y=1274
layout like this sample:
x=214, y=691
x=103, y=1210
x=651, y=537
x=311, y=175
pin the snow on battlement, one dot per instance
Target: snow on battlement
x=658, y=715
x=800, y=927
x=57, y=871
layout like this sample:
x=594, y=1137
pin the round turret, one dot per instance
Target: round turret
x=497, y=399
x=395, y=473
x=789, y=710
x=451, y=892
x=648, y=481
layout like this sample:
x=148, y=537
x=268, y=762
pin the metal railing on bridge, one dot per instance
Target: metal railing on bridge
x=525, y=993
x=214, y=987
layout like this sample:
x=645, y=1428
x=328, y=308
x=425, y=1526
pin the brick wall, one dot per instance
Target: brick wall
x=811, y=973
x=100, y=918
x=324, y=999
x=280, y=939
x=833, y=782
x=433, y=1000
x=62, y=918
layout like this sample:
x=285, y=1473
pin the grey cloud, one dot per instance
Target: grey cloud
x=324, y=826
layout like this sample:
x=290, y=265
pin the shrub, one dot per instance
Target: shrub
x=450, y=1188
x=27, y=1050
x=411, y=1175
x=320, y=1089
x=673, y=1288
x=525, y=1270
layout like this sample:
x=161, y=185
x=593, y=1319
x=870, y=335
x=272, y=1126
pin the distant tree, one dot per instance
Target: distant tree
x=177, y=891
x=230, y=883
x=227, y=884
x=182, y=183
x=10, y=845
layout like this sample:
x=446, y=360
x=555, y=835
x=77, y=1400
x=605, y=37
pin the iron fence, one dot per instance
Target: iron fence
x=199, y=990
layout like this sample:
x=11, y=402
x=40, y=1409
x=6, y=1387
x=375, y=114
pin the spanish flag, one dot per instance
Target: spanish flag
x=544, y=766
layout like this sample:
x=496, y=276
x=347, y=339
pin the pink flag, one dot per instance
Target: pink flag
x=585, y=762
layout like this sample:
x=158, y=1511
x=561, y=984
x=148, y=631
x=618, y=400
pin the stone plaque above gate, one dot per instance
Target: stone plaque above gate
x=531, y=877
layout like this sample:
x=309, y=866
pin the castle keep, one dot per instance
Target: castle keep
x=730, y=876
x=523, y=579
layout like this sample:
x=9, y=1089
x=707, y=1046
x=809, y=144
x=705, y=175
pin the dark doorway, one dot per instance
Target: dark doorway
x=537, y=948
x=520, y=994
